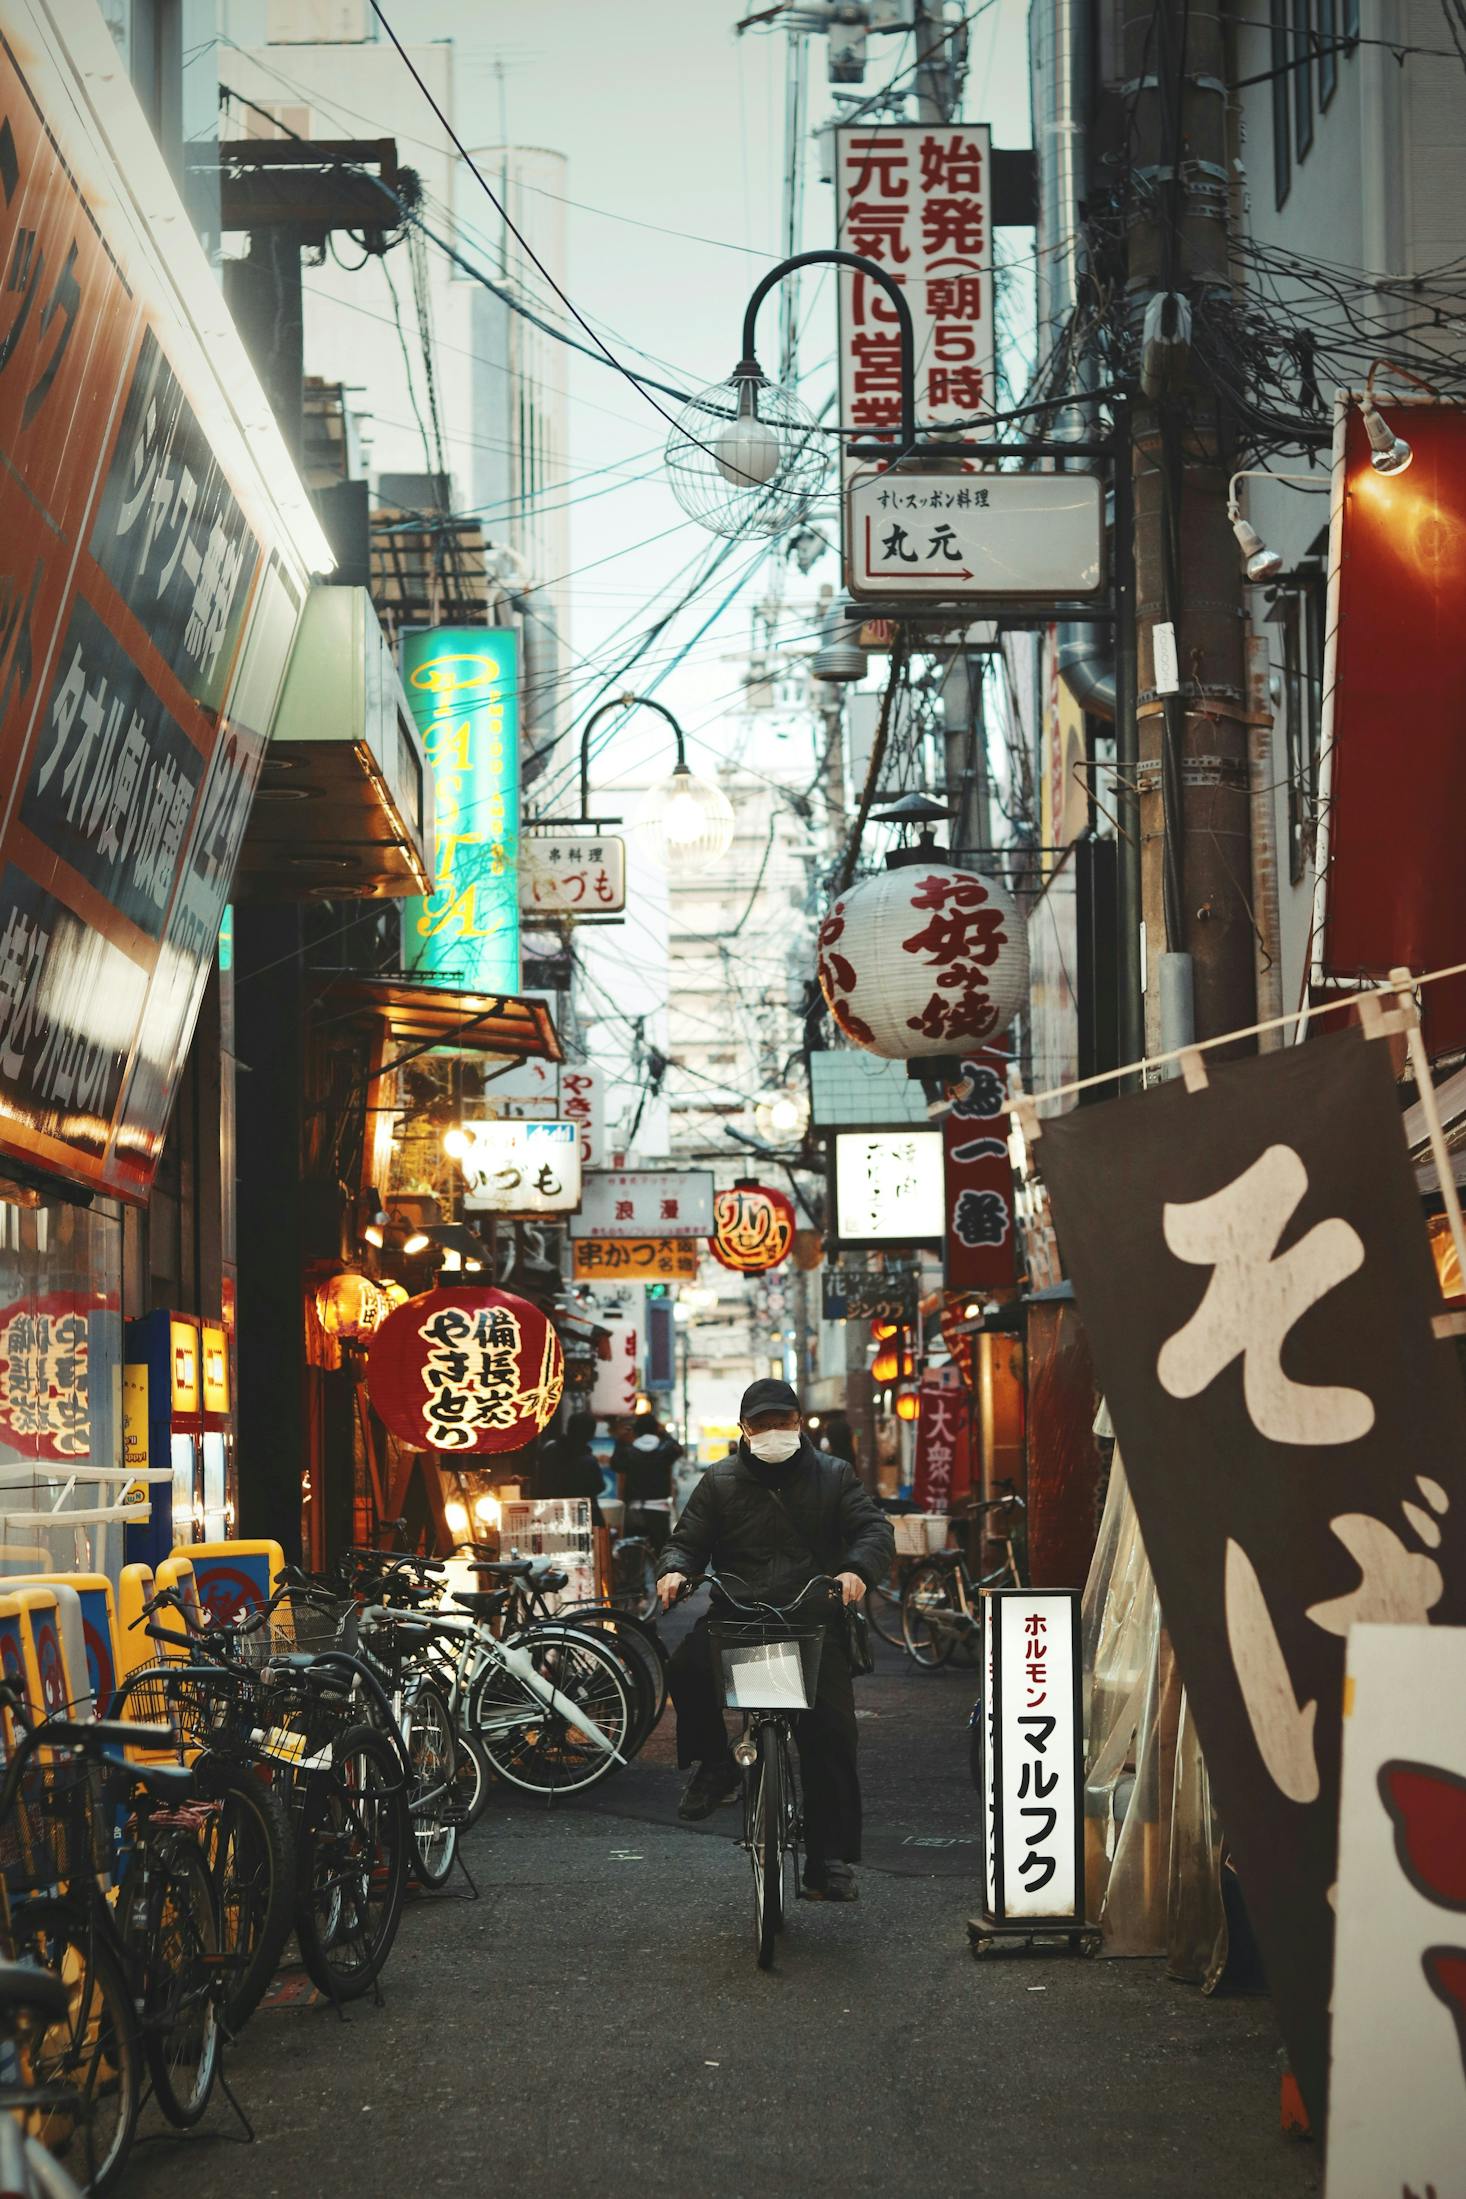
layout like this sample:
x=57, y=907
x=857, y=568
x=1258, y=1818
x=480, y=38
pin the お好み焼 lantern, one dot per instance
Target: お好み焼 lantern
x=468, y=1369
x=923, y=959
x=753, y=1228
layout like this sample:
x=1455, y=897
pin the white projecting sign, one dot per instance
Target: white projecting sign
x=583, y=1101
x=1397, y=2081
x=890, y=1187
x=572, y=874
x=521, y=1167
x=1033, y=1824
x=1000, y=535
x=621, y=1314
x=647, y=1202
x=917, y=199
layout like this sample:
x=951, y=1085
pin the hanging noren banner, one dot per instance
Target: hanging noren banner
x=1293, y=1430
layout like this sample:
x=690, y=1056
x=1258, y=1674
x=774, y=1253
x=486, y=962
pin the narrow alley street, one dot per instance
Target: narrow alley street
x=596, y=2020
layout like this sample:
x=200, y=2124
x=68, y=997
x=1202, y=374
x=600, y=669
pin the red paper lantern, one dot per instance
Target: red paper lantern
x=753, y=1228
x=466, y=1370
x=924, y=959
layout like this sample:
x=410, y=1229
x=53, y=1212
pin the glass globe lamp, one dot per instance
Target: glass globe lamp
x=685, y=823
x=745, y=457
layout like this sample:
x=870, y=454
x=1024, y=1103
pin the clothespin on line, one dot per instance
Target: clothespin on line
x=1406, y=1017
x=1193, y=1069
x=1021, y=1107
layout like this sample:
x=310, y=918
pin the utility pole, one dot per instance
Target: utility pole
x=1194, y=800
x=933, y=62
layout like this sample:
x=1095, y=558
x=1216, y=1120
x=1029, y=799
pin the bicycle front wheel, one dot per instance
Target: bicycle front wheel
x=766, y=1844
x=883, y=1609
x=250, y=1851
x=94, y=2050
x=432, y=1799
x=634, y=1578
x=353, y=1865
x=928, y=1612
x=180, y=1981
x=533, y=1744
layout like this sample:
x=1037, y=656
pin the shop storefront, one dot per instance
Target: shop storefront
x=160, y=551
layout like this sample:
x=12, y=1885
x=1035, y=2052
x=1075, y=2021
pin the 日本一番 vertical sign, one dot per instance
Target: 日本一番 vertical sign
x=917, y=199
x=463, y=685
x=1253, y=1273
x=979, y=1178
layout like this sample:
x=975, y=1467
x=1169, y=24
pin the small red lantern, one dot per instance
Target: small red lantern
x=466, y=1370
x=753, y=1227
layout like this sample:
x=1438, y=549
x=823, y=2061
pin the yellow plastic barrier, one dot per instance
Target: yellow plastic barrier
x=233, y=1577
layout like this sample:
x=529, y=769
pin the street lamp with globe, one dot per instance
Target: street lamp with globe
x=747, y=457
x=683, y=822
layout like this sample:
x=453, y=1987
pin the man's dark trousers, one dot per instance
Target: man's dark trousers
x=826, y=1735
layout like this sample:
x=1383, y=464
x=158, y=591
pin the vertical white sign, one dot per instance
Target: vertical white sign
x=917, y=199
x=1038, y=1798
x=1397, y=2080
x=621, y=1312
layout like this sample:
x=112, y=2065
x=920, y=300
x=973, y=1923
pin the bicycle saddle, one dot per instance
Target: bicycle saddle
x=484, y=1603
x=167, y=1783
x=507, y=1569
x=22, y=1987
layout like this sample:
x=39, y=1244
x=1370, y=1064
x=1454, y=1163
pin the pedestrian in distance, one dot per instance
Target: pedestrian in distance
x=772, y=1517
x=567, y=1465
x=642, y=1461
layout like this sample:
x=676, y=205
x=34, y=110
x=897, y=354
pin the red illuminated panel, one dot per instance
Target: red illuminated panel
x=1396, y=888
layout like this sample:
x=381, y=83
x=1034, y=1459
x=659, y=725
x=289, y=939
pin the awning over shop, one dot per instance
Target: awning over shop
x=344, y=806
x=437, y=1016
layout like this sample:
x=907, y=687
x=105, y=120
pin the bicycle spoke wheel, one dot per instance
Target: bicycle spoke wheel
x=470, y=1779
x=634, y=1578
x=926, y=1600
x=95, y=2051
x=432, y=1799
x=542, y=1749
x=638, y=1640
x=250, y=1852
x=353, y=1865
x=622, y=1636
x=883, y=1608
x=766, y=1846
x=181, y=1979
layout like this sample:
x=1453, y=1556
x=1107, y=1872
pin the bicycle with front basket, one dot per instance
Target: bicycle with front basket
x=768, y=1662
x=941, y=1598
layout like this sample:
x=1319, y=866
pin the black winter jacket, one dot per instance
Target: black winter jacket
x=822, y=1512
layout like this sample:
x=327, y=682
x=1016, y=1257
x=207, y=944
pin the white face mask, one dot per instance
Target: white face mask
x=774, y=1445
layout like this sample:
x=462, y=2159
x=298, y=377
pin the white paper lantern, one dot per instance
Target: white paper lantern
x=923, y=959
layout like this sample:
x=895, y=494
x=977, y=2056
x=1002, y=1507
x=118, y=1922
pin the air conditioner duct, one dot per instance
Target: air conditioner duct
x=839, y=655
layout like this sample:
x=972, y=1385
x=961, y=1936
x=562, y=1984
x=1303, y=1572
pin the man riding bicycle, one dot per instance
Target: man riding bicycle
x=773, y=1516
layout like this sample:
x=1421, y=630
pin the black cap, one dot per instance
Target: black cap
x=767, y=1396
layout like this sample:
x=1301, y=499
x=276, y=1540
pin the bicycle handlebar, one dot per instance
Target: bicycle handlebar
x=825, y=1581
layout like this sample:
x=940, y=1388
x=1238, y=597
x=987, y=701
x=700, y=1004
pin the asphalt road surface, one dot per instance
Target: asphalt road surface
x=595, y=2024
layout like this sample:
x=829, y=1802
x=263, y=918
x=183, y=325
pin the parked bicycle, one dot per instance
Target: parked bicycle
x=939, y=1601
x=128, y=1924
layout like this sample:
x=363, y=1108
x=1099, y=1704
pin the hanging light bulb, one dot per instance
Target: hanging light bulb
x=685, y=822
x=748, y=451
x=1388, y=452
x=1262, y=563
x=457, y=1143
x=455, y=1514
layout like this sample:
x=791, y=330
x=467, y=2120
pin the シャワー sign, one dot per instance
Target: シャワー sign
x=1032, y=1778
x=917, y=199
x=156, y=548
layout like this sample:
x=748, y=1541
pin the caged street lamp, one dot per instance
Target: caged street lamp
x=683, y=822
x=745, y=456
